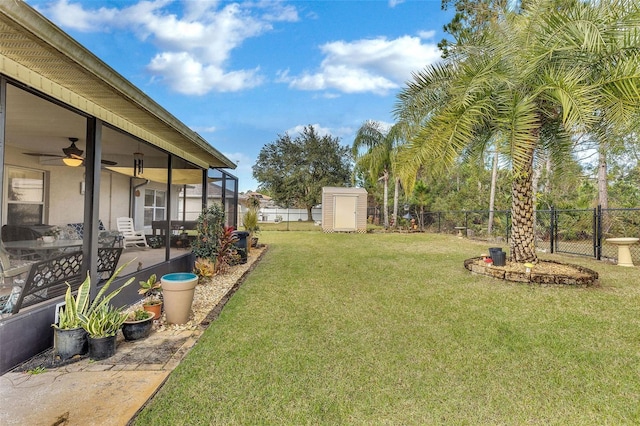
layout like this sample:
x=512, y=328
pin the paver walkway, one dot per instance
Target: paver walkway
x=106, y=392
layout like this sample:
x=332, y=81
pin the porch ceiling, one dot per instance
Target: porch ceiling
x=38, y=54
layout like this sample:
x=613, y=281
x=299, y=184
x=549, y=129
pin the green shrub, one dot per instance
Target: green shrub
x=210, y=226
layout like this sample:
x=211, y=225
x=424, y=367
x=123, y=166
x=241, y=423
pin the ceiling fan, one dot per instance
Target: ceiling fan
x=72, y=155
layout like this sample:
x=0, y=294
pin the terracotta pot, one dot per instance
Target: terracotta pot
x=156, y=309
x=177, y=291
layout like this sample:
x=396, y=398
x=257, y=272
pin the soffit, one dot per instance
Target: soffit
x=37, y=53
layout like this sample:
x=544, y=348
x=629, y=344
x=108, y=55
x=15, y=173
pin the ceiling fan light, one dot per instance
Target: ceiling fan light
x=73, y=162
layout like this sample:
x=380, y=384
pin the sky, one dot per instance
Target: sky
x=243, y=73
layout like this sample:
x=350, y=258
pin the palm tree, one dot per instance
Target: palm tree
x=375, y=150
x=531, y=79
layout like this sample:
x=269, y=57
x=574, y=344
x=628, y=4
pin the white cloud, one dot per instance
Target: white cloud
x=194, y=47
x=372, y=65
x=427, y=35
x=321, y=131
x=394, y=3
x=208, y=129
x=297, y=130
x=187, y=75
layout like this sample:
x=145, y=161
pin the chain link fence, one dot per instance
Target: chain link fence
x=571, y=231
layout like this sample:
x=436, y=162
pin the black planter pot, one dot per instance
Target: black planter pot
x=135, y=330
x=102, y=347
x=68, y=343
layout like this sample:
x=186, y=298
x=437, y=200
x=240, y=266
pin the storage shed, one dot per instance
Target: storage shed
x=344, y=209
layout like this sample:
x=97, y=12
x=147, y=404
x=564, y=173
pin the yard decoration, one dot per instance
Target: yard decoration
x=178, y=289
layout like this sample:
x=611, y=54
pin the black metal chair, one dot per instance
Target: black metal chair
x=19, y=233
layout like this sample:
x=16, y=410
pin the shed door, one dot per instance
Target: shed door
x=344, y=217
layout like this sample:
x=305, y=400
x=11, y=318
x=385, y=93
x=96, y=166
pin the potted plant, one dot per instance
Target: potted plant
x=250, y=220
x=138, y=324
x=204, y=268
x=102, y=325
x=70, y=337
x=151, y=289
x=51, y=234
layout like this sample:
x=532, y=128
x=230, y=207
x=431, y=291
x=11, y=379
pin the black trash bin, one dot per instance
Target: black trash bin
x=241, y=244
x=499, y=258
x=493, y=250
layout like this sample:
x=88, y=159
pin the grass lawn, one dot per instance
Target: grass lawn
x=391, y=329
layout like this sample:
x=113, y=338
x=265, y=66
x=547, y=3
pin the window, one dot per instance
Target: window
x=155, y=206
x=25, y=196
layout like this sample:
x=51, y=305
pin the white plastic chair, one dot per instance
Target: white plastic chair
x=131, y=237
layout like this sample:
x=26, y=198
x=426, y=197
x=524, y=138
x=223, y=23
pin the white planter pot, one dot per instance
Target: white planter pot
x=178, y=290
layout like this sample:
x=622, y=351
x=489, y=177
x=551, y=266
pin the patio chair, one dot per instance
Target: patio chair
x=108, y=258
x=106, y=238
x=12, y=275
x=19, y=233
x=131, y=237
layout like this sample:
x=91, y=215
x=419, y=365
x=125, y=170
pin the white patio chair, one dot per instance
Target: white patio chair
x=131, y=237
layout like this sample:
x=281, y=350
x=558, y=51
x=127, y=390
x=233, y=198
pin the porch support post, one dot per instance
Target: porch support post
x=205, y=188
x=3, y=123
x=167, y=233
x=92, y=200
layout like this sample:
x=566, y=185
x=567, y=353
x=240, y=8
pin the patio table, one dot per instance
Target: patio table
x=42, y=250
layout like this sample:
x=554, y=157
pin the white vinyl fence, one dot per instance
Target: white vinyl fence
x=275, y=214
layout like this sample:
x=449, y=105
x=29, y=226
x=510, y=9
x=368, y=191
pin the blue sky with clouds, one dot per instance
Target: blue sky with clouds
x=242, y=73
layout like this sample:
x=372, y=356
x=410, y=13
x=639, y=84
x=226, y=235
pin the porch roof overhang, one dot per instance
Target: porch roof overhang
x=38, y=54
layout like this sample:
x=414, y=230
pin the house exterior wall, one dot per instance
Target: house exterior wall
x=329, y=195
x=114, y=198
x=67, y=75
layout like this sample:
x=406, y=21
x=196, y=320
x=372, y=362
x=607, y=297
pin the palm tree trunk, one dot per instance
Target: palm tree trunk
x=385, y=199
x=492, y=194
x=396, y=197
x=522, y=213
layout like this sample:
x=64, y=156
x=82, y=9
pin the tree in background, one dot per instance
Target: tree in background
x=374, y=151
x=532, y=78
x=471, y=16
x=293, y=171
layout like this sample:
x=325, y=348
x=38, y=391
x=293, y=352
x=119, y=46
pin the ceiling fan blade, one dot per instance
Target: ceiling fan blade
x=108, y=162
x=42, y=154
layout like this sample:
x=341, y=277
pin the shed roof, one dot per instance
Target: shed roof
x=344, y=190
x=37, y=53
